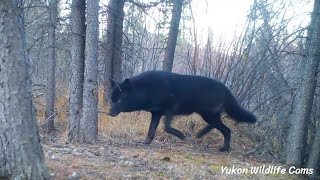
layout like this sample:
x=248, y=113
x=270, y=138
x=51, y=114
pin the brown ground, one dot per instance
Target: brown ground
x=168, y=159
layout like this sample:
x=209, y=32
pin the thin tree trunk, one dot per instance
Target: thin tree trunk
x=306, y=95
x=173, y=35
x=117, y=42
x=108, y=51
x=51, y=85
x=89, y=120
x=21, y=155
x=77, y=67
x=113, y=44
x=314, y=156
x=195, y=57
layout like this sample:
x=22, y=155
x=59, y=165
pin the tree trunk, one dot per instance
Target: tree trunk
x=51, y=85
x=173, y=35
x=89, y=120
x=77, y=67
x=113, y=44
x=21, y=155
x=306, y=94
x=314, y=156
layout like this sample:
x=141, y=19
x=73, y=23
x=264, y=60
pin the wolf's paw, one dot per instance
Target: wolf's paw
x=183, y=137
x=147, y=141
x=199, y=135
x=224, y=149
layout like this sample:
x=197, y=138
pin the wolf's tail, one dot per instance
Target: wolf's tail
x=234, y=110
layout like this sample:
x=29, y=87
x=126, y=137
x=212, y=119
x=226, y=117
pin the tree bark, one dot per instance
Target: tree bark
x=21, y=155
x=113, y=44
x=306, y=94
x=51, y=85
x=173, y=35
x=77, y=67
x=89, y=120
x=314, y=156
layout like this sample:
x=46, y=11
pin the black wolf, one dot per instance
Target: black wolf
x=170, y=94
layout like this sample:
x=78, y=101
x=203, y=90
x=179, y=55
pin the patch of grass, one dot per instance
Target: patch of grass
x=191, y=158
x=163, y=175
x=188, y=156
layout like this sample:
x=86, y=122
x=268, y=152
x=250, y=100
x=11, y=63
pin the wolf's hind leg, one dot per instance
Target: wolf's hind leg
x=205, y=130
x=227, y=136
x=214, y=121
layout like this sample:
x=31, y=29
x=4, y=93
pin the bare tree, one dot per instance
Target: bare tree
x=21, y=155
x=36, y=25
x=302, y=110
x=77, y=67
x=143, y=48
x=89, y=120
x=51, y=84
x=173, y=35
x=113, y=43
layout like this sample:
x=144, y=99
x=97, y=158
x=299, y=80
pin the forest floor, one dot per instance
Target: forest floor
x=162, y=159
x=119, y=154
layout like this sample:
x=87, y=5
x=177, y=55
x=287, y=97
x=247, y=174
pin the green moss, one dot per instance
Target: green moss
x=188, y=156
x=215, y=167
x=163, y=175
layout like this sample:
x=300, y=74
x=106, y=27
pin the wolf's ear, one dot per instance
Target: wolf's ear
x=126, y=84
x=114, y=83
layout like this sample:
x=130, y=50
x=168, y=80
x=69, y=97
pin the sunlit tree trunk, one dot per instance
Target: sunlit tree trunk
x=51, y=85
x=303, y=108
x=78, y=9
x=173, y=35
x=21, y=155
x=89, y=120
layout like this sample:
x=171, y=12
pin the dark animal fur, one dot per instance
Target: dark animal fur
x=170, y=94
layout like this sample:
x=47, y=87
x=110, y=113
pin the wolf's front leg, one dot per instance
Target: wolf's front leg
x=171, y=130
x=155, y=119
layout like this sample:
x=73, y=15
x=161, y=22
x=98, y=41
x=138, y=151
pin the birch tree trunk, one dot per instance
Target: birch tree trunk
x=78, y=9
x=89, y=120
x=21, y=155
x=306, y=95
x=173, y=35
x=51, y=84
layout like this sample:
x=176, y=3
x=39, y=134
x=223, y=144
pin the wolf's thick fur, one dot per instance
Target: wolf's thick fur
x=170, y=94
